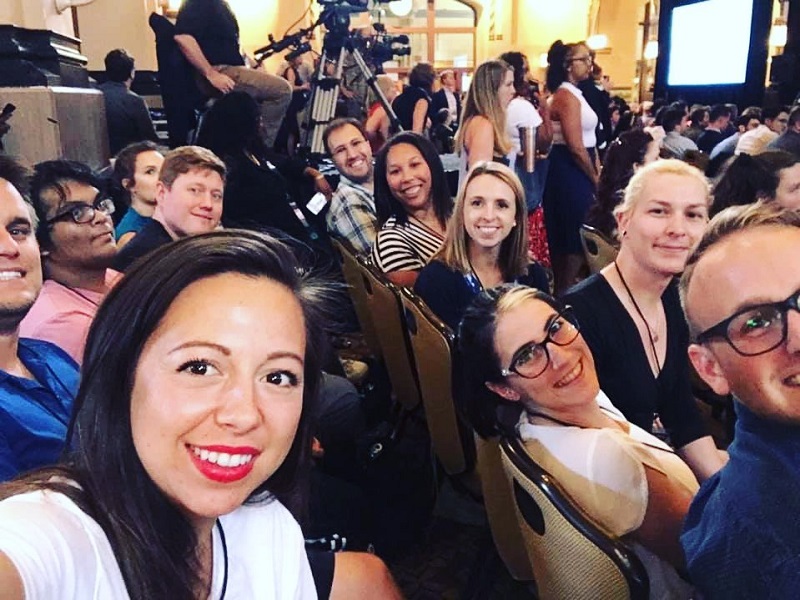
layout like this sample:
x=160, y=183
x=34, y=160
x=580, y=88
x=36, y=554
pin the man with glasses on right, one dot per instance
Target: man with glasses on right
x=740, y=292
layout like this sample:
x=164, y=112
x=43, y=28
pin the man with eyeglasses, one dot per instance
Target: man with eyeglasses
x=189, y=194
x=76, y=240
x=351, y=214
x=740, y=293
x=38, y=380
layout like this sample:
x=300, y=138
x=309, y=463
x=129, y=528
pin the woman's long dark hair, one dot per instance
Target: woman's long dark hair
x=476, y=360
x=153, y=541
x=386, y=205
x=231, y=126
x=624, y=153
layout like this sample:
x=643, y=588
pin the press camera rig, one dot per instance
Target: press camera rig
x=368, y=52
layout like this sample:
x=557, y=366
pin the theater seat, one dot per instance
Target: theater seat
x=570, y=555
x=597, y=248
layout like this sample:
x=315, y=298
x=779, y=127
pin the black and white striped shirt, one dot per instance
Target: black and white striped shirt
x=406, y=247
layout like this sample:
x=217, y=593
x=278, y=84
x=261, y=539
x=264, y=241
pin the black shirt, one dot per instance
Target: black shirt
x=213, y=24
x=127, y=116
x=151, y=236
x=622, y=365
x=404, y=104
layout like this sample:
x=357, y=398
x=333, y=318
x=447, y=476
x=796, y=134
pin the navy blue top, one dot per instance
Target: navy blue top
x=448, y=293
x=741, y=536
x=34, y=414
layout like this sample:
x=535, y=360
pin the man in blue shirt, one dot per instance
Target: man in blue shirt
x=741, y=295
x=38, y=380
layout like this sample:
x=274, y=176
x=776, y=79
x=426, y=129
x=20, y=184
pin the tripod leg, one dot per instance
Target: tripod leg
x=372, y=81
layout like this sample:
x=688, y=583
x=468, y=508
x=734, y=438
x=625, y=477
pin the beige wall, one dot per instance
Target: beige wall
x=109, y=24
x=619, y=20
x=531, y=26
x=36, y=14
x=526, y=25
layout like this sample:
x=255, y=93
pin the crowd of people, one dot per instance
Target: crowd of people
x=166, y=371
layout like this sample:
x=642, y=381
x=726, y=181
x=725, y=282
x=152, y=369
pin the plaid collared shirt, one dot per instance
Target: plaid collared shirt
x=352, y=215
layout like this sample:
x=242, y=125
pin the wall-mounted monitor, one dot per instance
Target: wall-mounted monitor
x=710, y=43
x=713, y=50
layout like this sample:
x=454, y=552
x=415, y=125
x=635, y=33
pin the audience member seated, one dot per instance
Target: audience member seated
x=76, y=240
x=630, y=151
x=631, y=316
x=189, y=201
x=258, y=186
x=675, y=123
x=749, y=120
x=522, y=348
x=207, y=33
x=126, y=113
x=789, y=140
x=289, y=132
x=412, y=105
x=713, y=134
x=739, y=290
x=486, y=244
x=136, y=171
x=774, y=123
x=413, y=205
x=38, y=380
x=698, y=121
x=191, y=440
x=351, y=215
x=378, y=125
x=770, y=176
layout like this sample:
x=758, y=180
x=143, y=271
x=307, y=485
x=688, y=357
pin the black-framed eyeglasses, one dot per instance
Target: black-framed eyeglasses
x=81, y=212
x=531, y=360
x=756, y=329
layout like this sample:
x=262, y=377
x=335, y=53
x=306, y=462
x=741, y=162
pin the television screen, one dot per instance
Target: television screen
x=710, y=42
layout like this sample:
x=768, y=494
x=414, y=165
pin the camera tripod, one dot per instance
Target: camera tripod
x=325, y=93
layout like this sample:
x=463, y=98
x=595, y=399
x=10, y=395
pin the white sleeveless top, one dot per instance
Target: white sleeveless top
x=588, y=119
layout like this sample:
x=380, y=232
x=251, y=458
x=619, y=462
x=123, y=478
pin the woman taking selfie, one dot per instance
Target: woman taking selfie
x=486, y=244
x=521, y=348
x=631, y=316
x=191, y=437
x=413, y=204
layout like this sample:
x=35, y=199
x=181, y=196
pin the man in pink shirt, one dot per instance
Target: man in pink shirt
x=76, y=237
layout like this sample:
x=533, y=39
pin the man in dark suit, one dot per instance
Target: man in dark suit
x=447, y=97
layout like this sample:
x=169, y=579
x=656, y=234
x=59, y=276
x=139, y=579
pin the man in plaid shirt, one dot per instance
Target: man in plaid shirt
x=351, y=215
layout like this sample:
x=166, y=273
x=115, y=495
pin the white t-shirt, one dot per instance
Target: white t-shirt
x=603, y=471
x=61, y=552
x=520, y=113
x=588, y=119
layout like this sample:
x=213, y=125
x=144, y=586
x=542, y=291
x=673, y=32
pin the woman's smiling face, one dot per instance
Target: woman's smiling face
x=218, y=392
